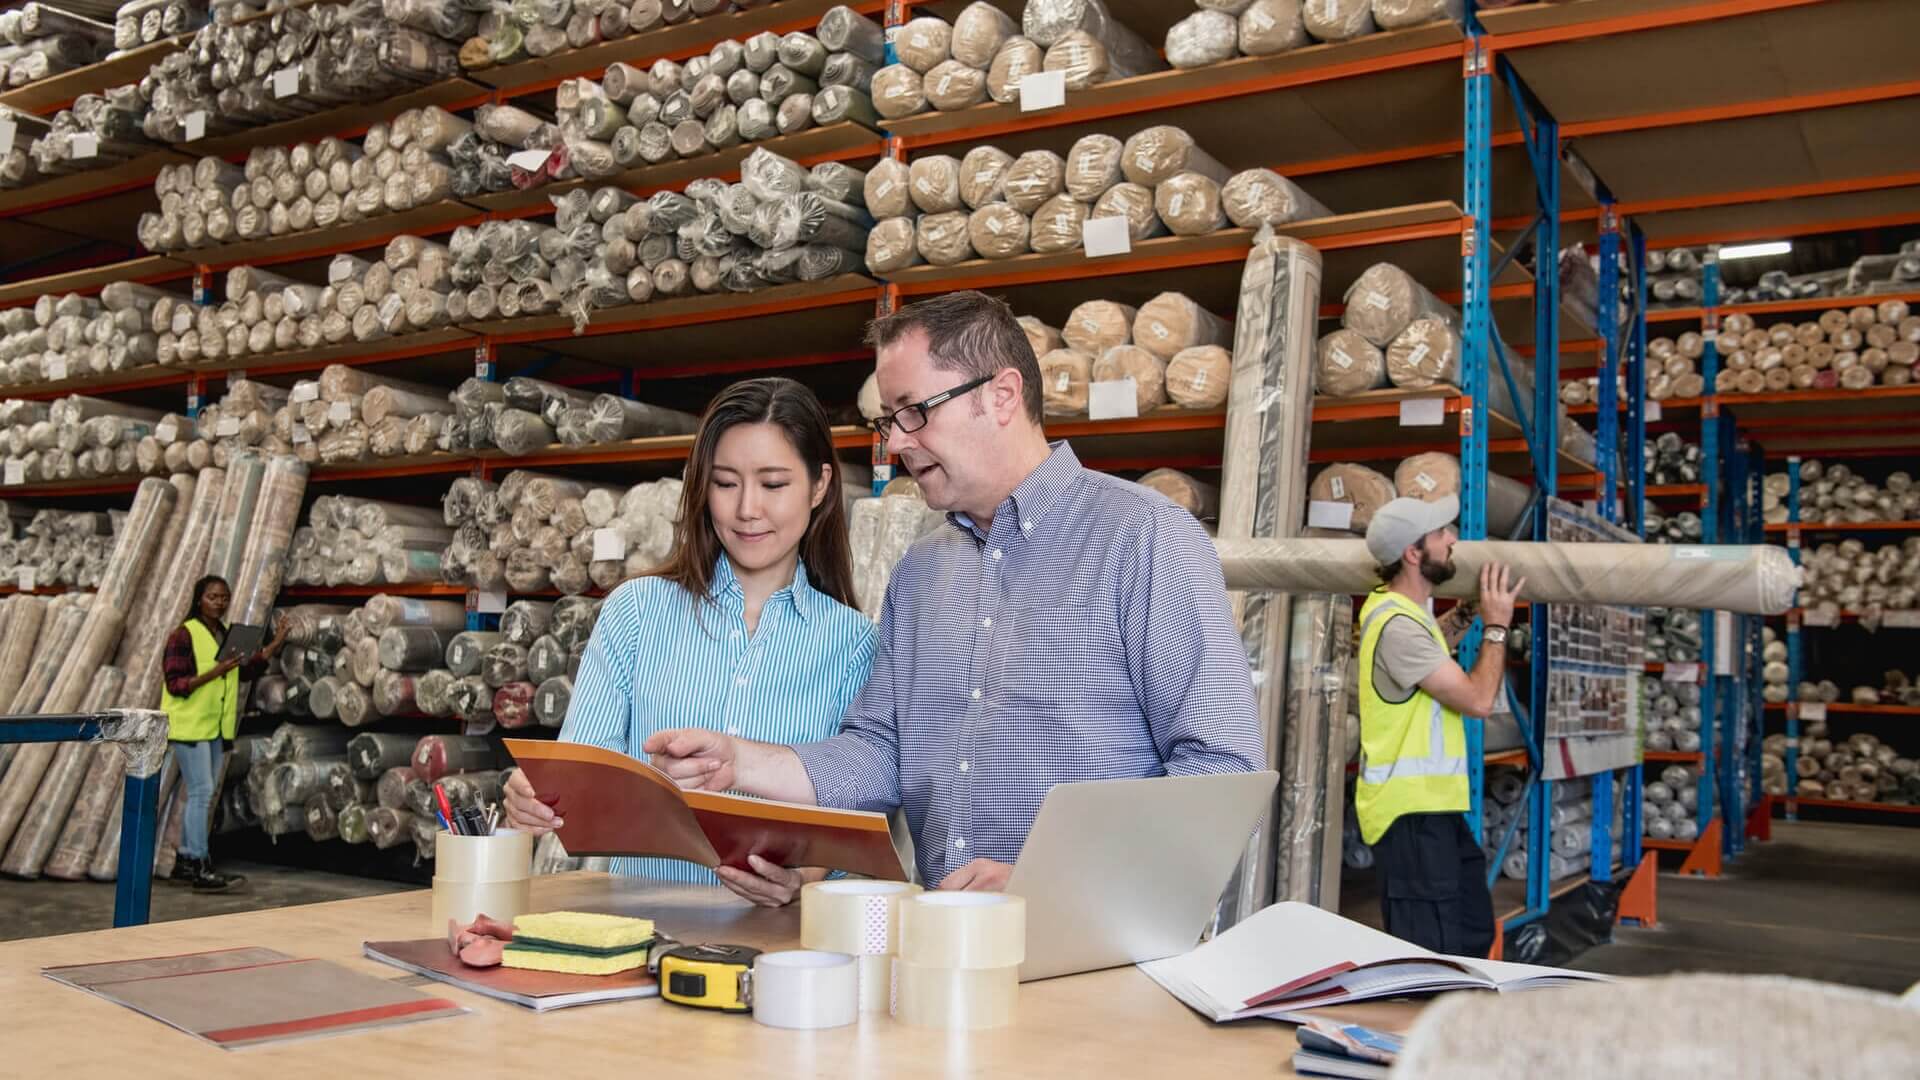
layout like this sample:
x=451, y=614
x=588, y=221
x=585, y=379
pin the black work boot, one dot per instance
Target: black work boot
x=209, y=880
x=186, y=870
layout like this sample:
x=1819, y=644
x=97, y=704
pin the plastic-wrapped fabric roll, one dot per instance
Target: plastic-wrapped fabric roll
x=1134, y=203
x=1425, y=354
x=1099, y=325
x=283, y=485
x=1258, y=197
x=923, y=43
x=1190, y=204
x=1384, y=299
x=245, y=472
x=893, y=245
x=1065, y=375
x=1171, y=322
x=898, y=91
x=436, y=756
x=998, y=231
x=1148, y=372
x=371, y=754
x=1058, y=224
x=1338, y=20
x=1018, y=58
x=887, y=189
x=1033, y=178
x=1398, y=14
x=952, y=86
x=1748, y=580
x=1048, y=22
x=934, y=183
x=844, y=70
x=25, y=615
x=1093, y=166
x=1041, y=338
x=1434, y=476
x=1203, y=38
x=1198, y=498
x=843, y=29
x=1363, y=488
x=982, y=176
x=1084, y=61
x=843, y=104
x=1198, y=377
x=942, y=238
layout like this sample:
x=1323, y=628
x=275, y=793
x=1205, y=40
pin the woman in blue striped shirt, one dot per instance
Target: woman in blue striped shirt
x=751, y=626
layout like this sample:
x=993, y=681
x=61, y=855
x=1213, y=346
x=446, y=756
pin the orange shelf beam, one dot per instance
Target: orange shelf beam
x=1863, y=526
x=1681, y=756
x=1858, y=710
x=429, y=588
x=1839, y=804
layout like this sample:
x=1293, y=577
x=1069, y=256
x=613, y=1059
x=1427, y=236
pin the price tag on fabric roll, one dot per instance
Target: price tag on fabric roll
x=228, y=426
x=1901, y=620
x=301, y=435
x=609, y=544
x=478, y=727
x=196, y=125
x=489, y=603
x=1680, y=673
x=286, y=82
x=304, y=391
x=1813, y=710
x=56, y=368
x=86, y=146
x=339, y=412
x=8, y=131
x=1653, y=411
x=1112, y=399
x=1043, y=90
x=25, y=579
x=529, y=160
x=16, y=472
x=1423, y=412
x=1103, y=236
x=1329, y=515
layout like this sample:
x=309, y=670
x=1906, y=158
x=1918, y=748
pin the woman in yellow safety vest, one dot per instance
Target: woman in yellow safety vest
x=201, y=696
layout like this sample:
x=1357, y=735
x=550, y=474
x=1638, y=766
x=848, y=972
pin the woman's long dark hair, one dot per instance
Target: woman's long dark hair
x=199, y=593
x=798, y=413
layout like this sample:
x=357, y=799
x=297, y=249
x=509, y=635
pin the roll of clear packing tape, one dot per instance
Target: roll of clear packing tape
x=806, y=989
x=464, y=901
x=970, y=930
x=506, y=855
x=861, y=918
x=955, y=998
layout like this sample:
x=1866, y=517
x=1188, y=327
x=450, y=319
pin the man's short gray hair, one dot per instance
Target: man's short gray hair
x=967, y=332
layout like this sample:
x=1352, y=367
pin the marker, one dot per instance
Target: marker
x=447, y=817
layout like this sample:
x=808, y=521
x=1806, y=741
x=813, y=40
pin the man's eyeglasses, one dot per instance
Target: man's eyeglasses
x=913, y=417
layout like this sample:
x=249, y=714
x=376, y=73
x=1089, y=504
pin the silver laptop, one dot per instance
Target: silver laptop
x=1120, y=871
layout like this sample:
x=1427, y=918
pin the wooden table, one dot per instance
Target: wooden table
x=1115, y=1022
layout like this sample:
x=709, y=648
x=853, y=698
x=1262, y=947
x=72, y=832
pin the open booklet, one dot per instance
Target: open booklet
x=1294, y=956
x=618, y=805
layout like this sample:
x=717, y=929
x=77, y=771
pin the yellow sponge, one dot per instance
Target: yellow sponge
x=571, y=964
x=585, y=929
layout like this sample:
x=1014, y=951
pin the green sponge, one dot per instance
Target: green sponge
x=584, y=930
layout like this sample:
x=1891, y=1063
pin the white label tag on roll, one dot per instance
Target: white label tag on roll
x=167, y=431
x=8, y=130
x=1813, y=710
x=1339, y=487
x=609, y=544
x=86, y=146
x=1329, y=515
x=1340, y=359
x=1378, y=301
x=56, y=368
x=1680, y=673
x=228, y=426
x=340, y=412
x=301, y=435
x=1062, y=380
x=1112, y=399
x=25, y=579
x=489, y=603
x=1427, y=483
x=1103, y=236
x=529, y=160
x=286, y=82
x=1419, y=353
x=1043, y=90
x=182, y=319
x=196, y=125
x=1423, y=412
x=1652, y=411
x=306, y=390
x=16, y=472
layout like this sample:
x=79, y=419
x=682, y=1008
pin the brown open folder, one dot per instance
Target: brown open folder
x=617, y=805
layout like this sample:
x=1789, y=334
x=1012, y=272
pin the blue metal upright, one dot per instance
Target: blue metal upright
x=140, y=811
x=1476, y=356
x=1636, y=343
x=1796, y=661
x=1711, y=471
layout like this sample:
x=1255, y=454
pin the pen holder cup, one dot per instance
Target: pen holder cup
x=481, y=875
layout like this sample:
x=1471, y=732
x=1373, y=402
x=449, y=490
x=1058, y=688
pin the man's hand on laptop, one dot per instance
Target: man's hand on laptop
x=694, y=757
x=980, y=875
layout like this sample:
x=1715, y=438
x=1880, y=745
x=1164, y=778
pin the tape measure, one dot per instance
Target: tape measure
x=718, y=977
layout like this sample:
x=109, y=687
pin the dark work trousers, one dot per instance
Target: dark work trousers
x=1433, y=884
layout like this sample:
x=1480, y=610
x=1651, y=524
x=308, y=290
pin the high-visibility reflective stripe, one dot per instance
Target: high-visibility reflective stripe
x=1435, y=763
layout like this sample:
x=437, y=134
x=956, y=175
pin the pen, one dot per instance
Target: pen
x=447, y=816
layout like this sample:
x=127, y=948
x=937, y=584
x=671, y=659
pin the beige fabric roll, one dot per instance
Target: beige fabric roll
x=952, y=86
x=1384, y=299
x=1199, y=377
x=998, y=231
x=1259, y=197
x=923, y=43
x=979, y=32
x=1778, y=379
x=888, y=189
x=1093, y=166
x=1041, y=338
x=1426, y=353
x=1689, y=386
x=1148, y=372
x=1881, y=335
x=1018, y=58
x=1897, y=375
x=1202, y=39
x=1820, y=356
x=1033, y=178
x=1346, y=364
x=1098, y=325
x=1338, y=20
x=1135, y=203
x=1154, y=155
x=1268, y=27
x=1064, y=378
x=1804, y=376
x=934, y=182
x=1903, y=352
x=1435, y=476
x=1085, y=60
x=1858, y=377
x=1365, y=489
x=942, y=238
x=891, y=245
x=1196, y=497
x=1190, y=204
x=1172, y=321
x=898, y=91
x=1754, y=382
x=1058, y=224
x=983, y=175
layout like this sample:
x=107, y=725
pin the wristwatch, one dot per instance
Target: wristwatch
x=1495, y=634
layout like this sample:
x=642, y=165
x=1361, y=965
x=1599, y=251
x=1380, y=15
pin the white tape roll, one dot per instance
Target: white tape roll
x=805, y=989
x=876, y=983
x=963, y=930
x=954, y=998
x=507, y=855
x=463, y=901
x=861, y=918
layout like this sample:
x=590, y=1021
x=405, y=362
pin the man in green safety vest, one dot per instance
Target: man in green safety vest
x=1413, y=787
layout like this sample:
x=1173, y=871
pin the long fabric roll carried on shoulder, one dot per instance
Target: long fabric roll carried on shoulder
x=1755, y=579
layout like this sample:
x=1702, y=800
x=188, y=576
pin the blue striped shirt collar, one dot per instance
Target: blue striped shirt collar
x=1033, y=497
x=726, y=593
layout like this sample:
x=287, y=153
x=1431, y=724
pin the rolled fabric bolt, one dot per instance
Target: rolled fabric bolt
x=1065, y=375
